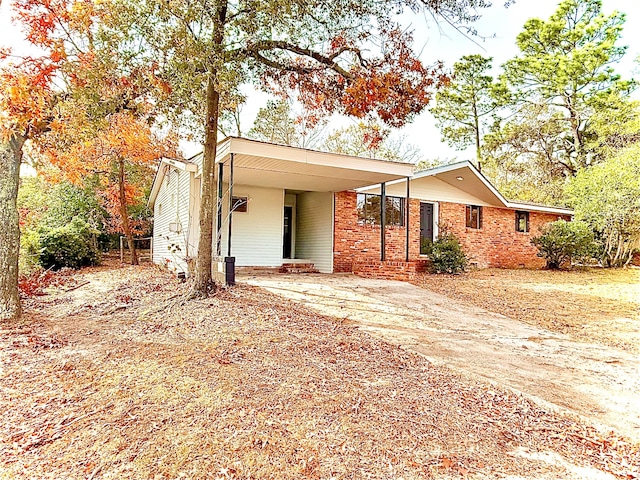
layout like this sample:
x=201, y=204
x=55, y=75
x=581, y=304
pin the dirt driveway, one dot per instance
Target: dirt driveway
x=600, y=383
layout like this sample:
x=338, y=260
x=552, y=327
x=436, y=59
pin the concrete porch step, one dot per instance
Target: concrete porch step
x=298, y=266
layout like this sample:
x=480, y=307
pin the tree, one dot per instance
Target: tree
x=371, y=141
x=25, y=106
x=465, y=104
x=565, y=64
x=319, y=49
x=102, y=124
x=521, y=155
x=607, y=198
x=116, y=147
x=277, y=123
x=39, y=93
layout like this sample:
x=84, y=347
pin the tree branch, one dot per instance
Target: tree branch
x=255, y=50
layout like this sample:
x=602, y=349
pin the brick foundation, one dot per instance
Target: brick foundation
x=390, y=270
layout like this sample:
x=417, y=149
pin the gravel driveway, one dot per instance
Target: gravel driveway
x=600, y=383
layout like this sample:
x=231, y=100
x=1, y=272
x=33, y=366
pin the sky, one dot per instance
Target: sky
x=498, y=26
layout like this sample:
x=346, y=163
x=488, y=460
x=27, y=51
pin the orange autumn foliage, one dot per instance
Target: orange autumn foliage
x=98, y=150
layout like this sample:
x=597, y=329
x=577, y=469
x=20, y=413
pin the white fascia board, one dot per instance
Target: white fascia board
x=157, y=182
x=184, y=166
x=161, y=172
x=255, y=148
x=540, y=208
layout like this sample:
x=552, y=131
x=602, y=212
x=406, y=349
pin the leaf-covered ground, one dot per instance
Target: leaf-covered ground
x=119, y=378
x=592, y=305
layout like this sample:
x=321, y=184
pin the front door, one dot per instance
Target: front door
x=286, y=244
x=426, y=226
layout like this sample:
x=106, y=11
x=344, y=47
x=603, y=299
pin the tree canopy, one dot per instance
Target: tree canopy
x=464, y=105
x=607, y=197
x=565, y=64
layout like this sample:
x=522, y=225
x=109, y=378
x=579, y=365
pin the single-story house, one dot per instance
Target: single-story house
x=299, y=206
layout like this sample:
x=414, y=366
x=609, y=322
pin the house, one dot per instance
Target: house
x=298, y=206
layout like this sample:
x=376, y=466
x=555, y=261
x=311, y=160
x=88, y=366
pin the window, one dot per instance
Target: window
x=369, y=209
x=239, y=204
x=474, y=216
x=522, y=221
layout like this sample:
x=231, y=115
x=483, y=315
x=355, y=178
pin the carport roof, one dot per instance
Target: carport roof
x=269, y=165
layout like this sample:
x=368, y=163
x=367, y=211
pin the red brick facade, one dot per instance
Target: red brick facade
x=389, y=270
x=496, y=244
x=353, y=241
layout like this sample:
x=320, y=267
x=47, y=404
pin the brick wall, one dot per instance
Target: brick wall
x=353, y=241
x=496, y=244
x=390, y=270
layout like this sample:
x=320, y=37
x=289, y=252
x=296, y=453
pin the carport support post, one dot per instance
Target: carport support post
x=230, y=203
x=383, y=219
x=219, y=226
x=406, y=214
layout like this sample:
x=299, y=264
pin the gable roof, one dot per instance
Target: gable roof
x=163, y=167
x=272, y=165
x=464, y=176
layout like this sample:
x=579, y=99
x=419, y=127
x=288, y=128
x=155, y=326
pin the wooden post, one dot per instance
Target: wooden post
x=406, y=215
x=230, y=203
x=151, y=248
x=383, y=219
x=219, y=220
x=121, y=250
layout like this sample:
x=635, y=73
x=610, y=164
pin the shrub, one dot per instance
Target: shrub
x=607, y=197
x=563, y=242
x=446, y=254
x=29, y=260
x=73, y=245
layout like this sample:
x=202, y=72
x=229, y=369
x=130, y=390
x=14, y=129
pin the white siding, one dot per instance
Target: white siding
x=314, y=229
x=257, y=234
x=172, y=206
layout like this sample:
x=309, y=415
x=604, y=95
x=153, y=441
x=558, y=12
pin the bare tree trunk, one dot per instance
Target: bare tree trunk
x=476, y=126
x=126, y=226
x=204, y=283
x=10, y=159
x=203, y=279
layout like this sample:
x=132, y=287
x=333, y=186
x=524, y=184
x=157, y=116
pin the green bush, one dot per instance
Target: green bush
x=73, y=245
x=446, y=254
x=29, y=251
x=562, y=243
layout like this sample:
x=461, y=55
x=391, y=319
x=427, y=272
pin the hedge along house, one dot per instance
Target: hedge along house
x=293, y=206
x=281, y=199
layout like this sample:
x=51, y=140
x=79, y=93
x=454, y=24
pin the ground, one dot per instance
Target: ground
x=113, y=375
x=593, y=305
x=595, y=381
